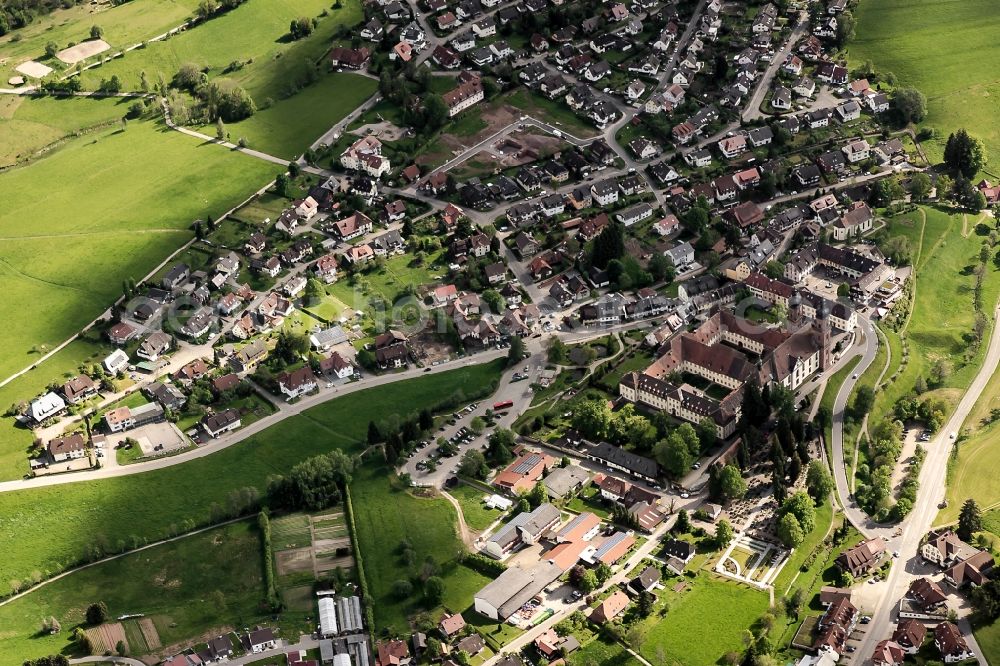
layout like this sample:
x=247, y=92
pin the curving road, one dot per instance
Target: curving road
x=855, y=513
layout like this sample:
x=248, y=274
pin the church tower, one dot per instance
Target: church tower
x=821, y=331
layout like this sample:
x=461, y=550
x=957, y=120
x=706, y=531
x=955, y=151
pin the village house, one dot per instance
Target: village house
x=220, y=423
x=297, y=382
x=67, y=447
x=79, y=388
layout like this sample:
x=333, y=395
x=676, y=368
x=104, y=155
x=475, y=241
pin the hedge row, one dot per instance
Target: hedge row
x=359, y=564
x=273, y=598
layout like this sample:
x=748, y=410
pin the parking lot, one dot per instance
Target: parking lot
x=155, y=439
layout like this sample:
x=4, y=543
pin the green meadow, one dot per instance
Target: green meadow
x=255, y=35
x=30, y=124
x=46, y=530
x=948, y=50
x=289, y=127
x=106, y=206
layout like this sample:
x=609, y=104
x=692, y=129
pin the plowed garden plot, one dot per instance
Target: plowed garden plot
x=292, y=561
x=141, y=636
x=105, y=638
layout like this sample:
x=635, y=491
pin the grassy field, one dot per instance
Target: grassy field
x=289, y=127
x=988, y=638
x=946, y=49
x=29, y=124
x=188, y=586
x=47, y=529
x=600, y=652
x=386, y=515
x=124, y=25
x=943, y=313
x=791, y=572
x=477, y=516
x=124, y=200
x=971, y=474
x=254, y=34
x=669, y=642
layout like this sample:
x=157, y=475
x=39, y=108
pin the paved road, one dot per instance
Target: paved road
x=921, y=518
x=284, y=411
x=855, y=514
x=752, y=109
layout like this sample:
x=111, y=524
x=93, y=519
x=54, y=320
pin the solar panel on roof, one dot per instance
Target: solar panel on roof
x=526, y=465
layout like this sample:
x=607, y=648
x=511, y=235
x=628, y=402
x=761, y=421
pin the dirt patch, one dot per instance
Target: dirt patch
x=290, y=561
x=35, y=70
x=385, y=131
x=106, y=637
x=324, y=564
x=82, y=51
x=430, y=350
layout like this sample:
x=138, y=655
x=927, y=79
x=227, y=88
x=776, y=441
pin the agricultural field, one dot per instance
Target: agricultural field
x=948, y=50
x=186, y=587
x=59, y=262
x=46, y=530
x=30, y=124
x=696, y=607
x=124, y=25
x=248, y=45
x=291, y=125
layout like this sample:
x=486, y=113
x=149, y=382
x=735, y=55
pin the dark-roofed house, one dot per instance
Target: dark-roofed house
x=79, y=389
x=646, y=580
x=221, y=422
x=297, y=382
x=909, y=634
x=682, y=550
x=951, y=644
x=926, y=593
x=864, y=557
x=67, y=447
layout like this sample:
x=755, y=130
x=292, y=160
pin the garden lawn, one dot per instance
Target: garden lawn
x=385, y=516
x=49, y=529
x=601, y=652
x=124, y=201
x=988, y=638
x=187, y=587
x=291, y=125
x=792, y=572
x=124, y=25
x=946, y=49
x=29, y=124
x=477, y=516
x=692, y=611
x=254, y=34
x=550, y=111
